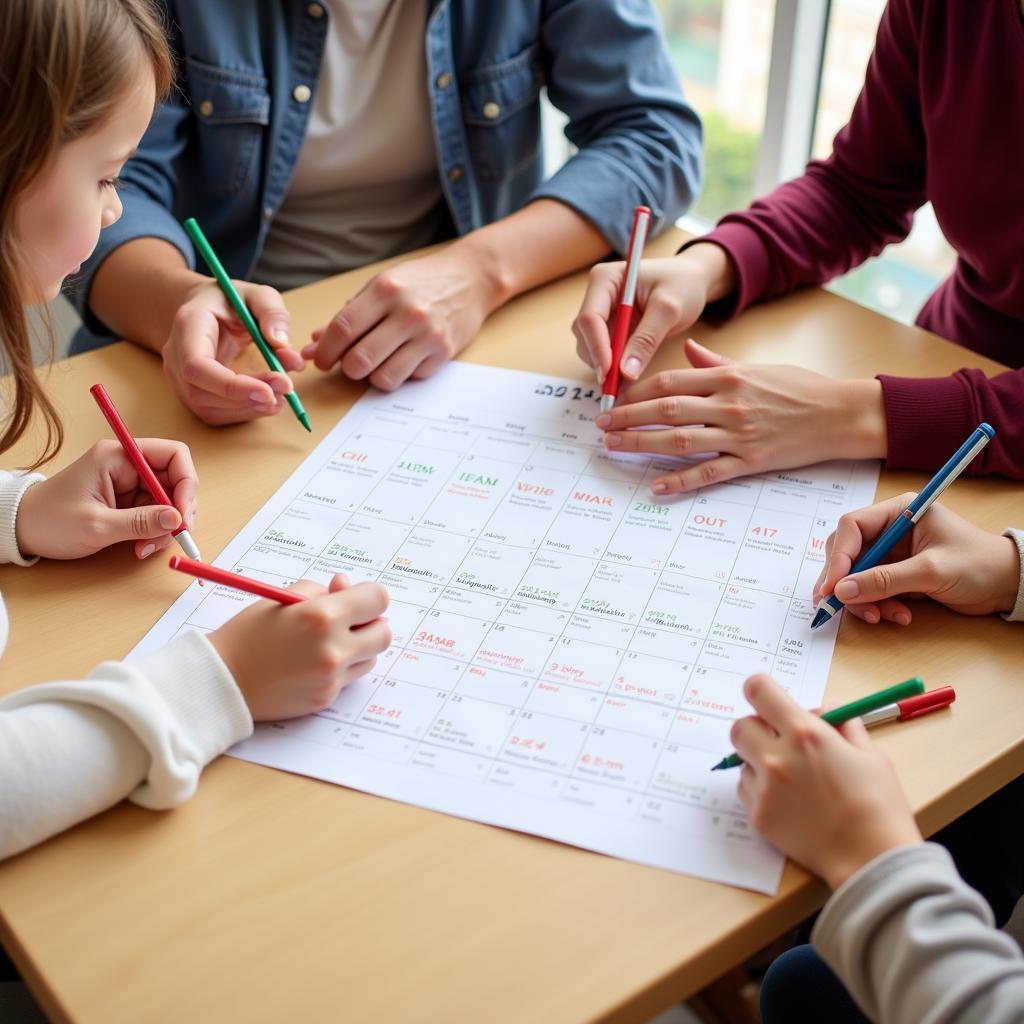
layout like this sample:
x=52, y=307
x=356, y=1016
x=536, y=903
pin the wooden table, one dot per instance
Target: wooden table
x=271, y=897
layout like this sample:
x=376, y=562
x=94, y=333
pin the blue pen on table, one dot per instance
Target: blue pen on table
x=904, y=523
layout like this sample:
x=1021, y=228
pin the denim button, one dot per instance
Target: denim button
x=455, y=174
x=301, y=93
x=315, y=11
x=443, y=80
x=206, y=108
x=491, y=111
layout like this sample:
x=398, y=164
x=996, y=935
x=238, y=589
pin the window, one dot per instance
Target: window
x=722, y=50
x=897, y=282
x=774, y=80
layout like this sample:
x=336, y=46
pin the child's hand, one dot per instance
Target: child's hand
x=944, y=557
x=98, y=500
x=826, y=797
x=294, y=660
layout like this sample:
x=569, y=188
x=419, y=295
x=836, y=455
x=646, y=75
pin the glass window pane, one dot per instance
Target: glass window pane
x=722, y=49
x=898, y=282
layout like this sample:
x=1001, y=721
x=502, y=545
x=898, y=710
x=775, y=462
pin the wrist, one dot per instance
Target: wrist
x=26, y=516
x=859, y=420
x=712, y=266
x=852, y=858
x=492, y=272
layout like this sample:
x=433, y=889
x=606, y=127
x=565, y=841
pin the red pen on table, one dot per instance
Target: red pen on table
x=912, y=707
x=624, y=314
x=203, y=571
x=142, y=467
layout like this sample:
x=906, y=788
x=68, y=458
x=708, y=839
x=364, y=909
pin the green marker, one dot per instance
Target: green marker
x=856, y=708
x=195, y=232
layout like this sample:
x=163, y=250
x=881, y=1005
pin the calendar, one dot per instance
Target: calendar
x=568, y=650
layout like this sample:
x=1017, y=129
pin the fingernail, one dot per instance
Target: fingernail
x=902, y=618
x=600, y=378
x=613, y=440
x=632, y=367
x=871, y=615
x=604, y=420
x=309, y=351
x=259, y=397
x=147, y=551
x=168, y=519
x=281, y=387
x=847, y=590
x=282, y=335
x=659, y=488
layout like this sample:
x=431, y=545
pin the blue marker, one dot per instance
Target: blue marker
x=904, y=523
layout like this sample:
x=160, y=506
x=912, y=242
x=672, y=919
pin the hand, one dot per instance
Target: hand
x=826, y=797
x=671, y=294
x=99, y=500
x=943, y=557
x=408, y=321
x=207, y=335
x=294, y=660
x=756, y=418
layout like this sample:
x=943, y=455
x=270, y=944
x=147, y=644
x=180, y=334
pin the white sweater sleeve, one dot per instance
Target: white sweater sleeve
x=1017, y=615
x=12, y=489
x=914, y=944
x=143, y=729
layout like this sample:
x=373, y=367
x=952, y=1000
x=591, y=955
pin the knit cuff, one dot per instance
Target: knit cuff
x=1017, y=615
x=12, y=489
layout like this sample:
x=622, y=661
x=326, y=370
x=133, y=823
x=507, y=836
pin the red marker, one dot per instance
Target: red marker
x=912, y=707
x=142, y=467
x=231, y=579
x=624, y=314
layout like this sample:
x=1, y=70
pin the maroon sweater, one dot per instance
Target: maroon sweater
x=940, y=118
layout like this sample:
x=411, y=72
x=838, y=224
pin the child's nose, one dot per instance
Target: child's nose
x=112, y=211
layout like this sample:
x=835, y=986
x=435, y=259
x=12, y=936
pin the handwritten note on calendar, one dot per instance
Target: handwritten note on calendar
x=568, y=650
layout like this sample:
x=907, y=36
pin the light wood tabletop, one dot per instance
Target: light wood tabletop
x=270, y=896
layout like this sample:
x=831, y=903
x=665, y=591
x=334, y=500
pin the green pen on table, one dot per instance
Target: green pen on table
x=195, y=232
x=846, y=712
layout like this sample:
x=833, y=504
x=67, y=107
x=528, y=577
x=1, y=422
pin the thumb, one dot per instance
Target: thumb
x=856, y=732
x=911, y=576
x=146, y=522
x=660, y=318
x=702, y=358
x=269, y=311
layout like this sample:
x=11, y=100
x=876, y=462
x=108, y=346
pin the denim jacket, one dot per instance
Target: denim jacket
x=224, y=146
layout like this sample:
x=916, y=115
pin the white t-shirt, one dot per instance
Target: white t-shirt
x=366, y=185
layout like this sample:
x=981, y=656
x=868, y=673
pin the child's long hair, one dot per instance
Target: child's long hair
x=64, y=66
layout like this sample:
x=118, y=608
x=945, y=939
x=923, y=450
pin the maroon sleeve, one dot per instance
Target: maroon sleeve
x=927, y=419
x=847, y=208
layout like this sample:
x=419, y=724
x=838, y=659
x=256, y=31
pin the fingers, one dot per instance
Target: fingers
x=375, y=347
x=703, y=474
x=856, y=732
x=419, y=358
x=669, y=410
x=172, y=461
x=659, y=319
x=752, y=739
x=338, y=583
x=919, y=573
x=853, y=533
x=146, y=522
x=695, y=383
x=778, y=710
x=701, y=358
x=213, y=388
x=680, y=441
x=307, y=588
x=593, y=341
x=269, y=311
x=358, y=316
x=364, y=602
x=371, y=639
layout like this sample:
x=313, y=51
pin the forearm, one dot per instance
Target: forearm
x=138, y=289
x=539, y=243
x=913, y=943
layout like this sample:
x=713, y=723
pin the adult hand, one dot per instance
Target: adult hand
x=99, y=500
x=670, y=295
x=751, y=418
x=294, y=660
x=207, y=335
x=408, y=321
x=826, y=797
x=944, y=557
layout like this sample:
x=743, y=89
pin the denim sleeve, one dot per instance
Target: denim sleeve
x=638, y=141
x=149, y=184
